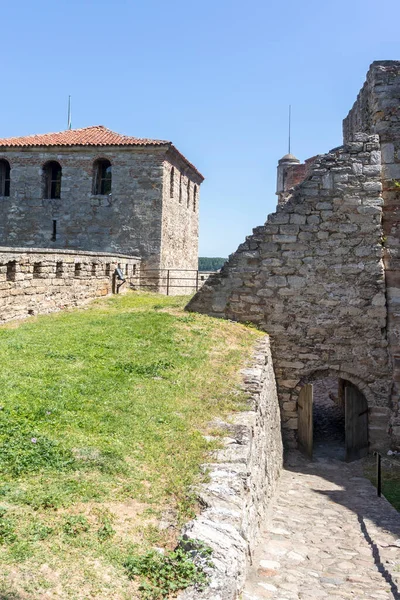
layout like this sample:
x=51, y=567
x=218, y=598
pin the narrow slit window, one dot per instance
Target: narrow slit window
x=126, y=270
x=52, y=180
x=188, y=194
x=78, y=269
x=54, y=234
x=37, y=270
x=180, y=188
x=11, y=270
x=59, y=269
x=4, y=178
x=108, y=269
x=102, y=177
x=172, y=183
x=194, y=198
x=94, y=268
x=134, y=270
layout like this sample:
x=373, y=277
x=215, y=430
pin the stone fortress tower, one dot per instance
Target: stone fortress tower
x=96, y=190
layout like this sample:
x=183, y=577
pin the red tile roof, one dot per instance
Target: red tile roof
x=88, y=136
x=97, y=135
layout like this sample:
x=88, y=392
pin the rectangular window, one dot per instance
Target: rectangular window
x=59, y=269
x=78, y=269
x=11, y=270
x=108, y=269
x=37, y=270
x=94, y=266
x=54, y=235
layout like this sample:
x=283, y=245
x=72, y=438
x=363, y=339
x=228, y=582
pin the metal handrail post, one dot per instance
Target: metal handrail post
x=378, y=473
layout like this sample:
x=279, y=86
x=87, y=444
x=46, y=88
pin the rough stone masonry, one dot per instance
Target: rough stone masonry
x=322, y=275
x=150, y=208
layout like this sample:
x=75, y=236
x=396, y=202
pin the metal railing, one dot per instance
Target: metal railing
x=379, y=460
x=170, y=280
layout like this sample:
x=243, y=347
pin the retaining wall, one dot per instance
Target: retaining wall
x=243, y=477
x=36, y=281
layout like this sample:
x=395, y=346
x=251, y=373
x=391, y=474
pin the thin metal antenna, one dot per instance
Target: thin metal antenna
x=290, y=124
x=69, y=113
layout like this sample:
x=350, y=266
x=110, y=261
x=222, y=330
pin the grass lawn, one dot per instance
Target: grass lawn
x=102, y=416
x=390, y=477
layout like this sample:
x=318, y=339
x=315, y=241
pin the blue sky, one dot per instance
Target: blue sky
x=214, y=76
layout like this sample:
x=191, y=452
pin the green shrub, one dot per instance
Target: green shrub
x=165, y=574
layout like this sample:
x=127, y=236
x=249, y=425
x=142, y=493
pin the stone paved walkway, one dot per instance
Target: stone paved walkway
x=329, y=536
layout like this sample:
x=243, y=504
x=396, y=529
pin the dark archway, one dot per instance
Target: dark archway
x=332, y=420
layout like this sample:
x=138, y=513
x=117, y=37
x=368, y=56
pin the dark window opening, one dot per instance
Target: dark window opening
x=102, y=177
x=4, y=178
x=134, y=270
x=54, y=234
x=94, y=266
x=194, y=198
x=126, y=269
x=188, y=194
x=78, y=269
x=108, y=269
x=59, y=269
x=11, y=270
x=37, y=270
x=172, y=183
x=52, y=180
x=180, y=188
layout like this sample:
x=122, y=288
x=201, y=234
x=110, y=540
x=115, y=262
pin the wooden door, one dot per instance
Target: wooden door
x=305, y=423
x=356, y=418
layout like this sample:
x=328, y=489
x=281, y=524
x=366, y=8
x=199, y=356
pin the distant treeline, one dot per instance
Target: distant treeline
x=207, y=263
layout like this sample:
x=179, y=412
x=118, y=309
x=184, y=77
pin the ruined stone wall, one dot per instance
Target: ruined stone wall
x=377, y=111
x=313, y=278
x=131, y=220
x=40, y=281
x=293, y=175
x=242, y=480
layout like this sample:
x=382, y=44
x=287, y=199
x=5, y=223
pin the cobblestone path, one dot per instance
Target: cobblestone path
x=328, y=536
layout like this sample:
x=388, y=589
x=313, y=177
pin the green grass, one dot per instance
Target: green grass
x=102, y=416
x=390, y=478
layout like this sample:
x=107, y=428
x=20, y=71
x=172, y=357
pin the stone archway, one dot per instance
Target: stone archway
x=354, y=405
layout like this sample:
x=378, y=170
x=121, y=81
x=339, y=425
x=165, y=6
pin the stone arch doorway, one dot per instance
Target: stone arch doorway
x=354, y=407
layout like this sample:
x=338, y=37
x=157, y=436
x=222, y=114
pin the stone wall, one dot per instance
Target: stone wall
x=138, y=218
x=40, y=281
x=243, y=477
x=377, y=111
x=313, y=278
x=180, y=218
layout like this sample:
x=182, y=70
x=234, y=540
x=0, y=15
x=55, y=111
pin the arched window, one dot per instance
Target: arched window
x=4, y=178
x=102, y=177
x=52, y=180
x=172, y=182
x=194, y=198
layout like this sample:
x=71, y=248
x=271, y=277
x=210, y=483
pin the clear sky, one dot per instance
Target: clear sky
x=213, y=76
